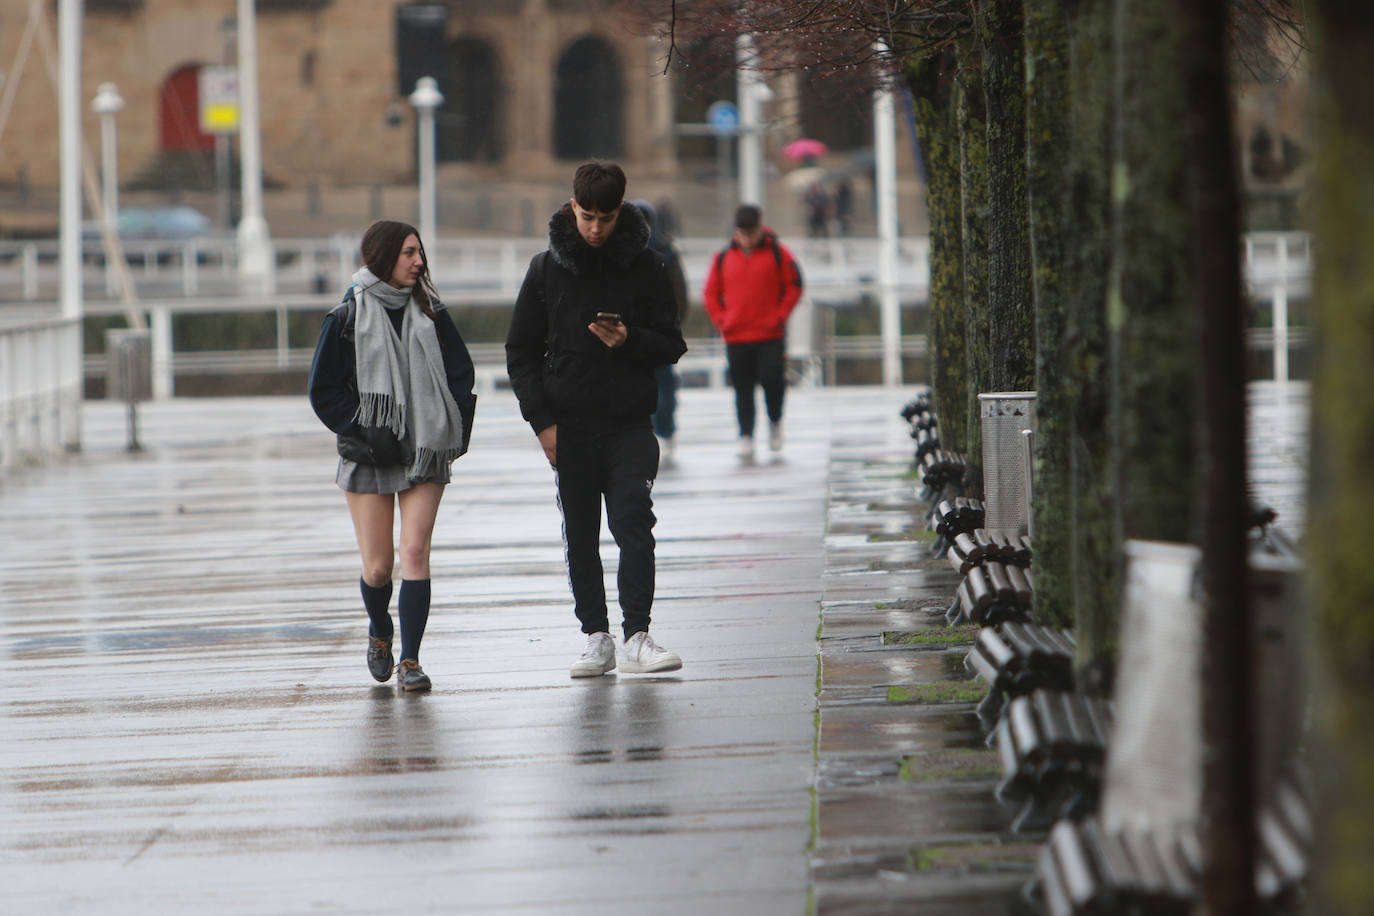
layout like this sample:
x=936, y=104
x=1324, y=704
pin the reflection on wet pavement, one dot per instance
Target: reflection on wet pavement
x=190, y=727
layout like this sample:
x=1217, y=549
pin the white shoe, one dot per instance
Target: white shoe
x=775, y=435
x=746, y=447
x=597, y=658
x=641, y=655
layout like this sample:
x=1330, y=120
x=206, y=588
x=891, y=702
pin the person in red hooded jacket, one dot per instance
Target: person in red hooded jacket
x=751, y=289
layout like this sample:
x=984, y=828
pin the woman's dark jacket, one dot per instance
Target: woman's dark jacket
x=333, y=382
x=561, y=372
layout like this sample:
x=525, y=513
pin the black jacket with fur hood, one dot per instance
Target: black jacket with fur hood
x=561, y=372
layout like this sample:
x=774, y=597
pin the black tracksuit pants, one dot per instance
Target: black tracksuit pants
x=763, y=364
x=620, y=468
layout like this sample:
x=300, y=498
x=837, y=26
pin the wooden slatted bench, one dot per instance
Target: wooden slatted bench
x=1052, y=744
x=1017, y=659
x=949, y=518
x=1009, y=590
x=942, y=470
x=918, y=406
x=969, y=549
x=993, y=593
x=1085, y=870
x=927, y=441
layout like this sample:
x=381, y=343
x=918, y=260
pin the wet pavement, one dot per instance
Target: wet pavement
x=188, y=724
x=907, y=817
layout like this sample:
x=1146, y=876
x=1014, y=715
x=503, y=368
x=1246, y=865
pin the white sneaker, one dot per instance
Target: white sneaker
x=641, y=655
x=597, y=658
x=746, y=447
x=775, y=435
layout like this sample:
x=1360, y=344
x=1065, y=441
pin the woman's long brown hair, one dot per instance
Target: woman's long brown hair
x=381, y=249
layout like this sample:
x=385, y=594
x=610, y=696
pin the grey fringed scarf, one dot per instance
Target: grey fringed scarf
x=401, y=380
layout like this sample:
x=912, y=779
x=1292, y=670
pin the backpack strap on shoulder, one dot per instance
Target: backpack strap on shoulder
x=550, y=319
x=347, y=313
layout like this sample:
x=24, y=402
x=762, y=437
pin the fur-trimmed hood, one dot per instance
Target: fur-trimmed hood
x=561, y=372
x=569, y=250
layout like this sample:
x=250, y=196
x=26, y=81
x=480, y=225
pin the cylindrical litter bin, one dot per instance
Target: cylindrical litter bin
x=1005, y=415
x=128, y=365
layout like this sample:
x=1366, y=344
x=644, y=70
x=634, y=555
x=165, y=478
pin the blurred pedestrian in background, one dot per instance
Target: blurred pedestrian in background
x=751, y=289
x=665, y=416
x=393, y=379
x=666, y=218
x=844, y=206
x=594, y=318
x=818, y=210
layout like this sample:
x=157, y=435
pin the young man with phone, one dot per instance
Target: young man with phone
x=594, y=317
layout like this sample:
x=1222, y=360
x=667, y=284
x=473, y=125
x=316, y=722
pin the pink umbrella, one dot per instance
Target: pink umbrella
x=805, y=148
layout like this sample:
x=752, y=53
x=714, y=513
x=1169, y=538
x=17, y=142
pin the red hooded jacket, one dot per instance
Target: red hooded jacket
x=749, y=296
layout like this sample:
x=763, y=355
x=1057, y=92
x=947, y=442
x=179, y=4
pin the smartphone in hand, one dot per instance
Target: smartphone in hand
x=608, y=317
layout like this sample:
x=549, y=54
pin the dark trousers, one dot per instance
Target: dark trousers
x=753, y=364
x=665, y=421
x=620, y=468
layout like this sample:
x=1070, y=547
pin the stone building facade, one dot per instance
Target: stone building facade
x=530, y=86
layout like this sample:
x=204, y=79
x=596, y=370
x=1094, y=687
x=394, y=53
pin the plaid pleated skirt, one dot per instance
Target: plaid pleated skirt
x=367, y=478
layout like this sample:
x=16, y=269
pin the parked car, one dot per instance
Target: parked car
x=171, y=223
x=176, y=223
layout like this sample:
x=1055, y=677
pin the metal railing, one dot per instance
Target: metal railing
x=40, y=390
x=477, y=270
x=1278, y=265
x=480, y=271
x=200, y=275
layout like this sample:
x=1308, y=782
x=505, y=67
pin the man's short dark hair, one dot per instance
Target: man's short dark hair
x=599, y=186
x=747, y=217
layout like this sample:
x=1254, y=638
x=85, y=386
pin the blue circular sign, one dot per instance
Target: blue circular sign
x=723, y=118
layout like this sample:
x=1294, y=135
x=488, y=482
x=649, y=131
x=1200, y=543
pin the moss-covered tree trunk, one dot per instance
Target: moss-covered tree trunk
x=1011, y=319
x=1092, y=541
x=973, y=172
x=1151, y=301
x=1340, y=519
x=1048, y=127
x=1068, y=76
x=931, y=81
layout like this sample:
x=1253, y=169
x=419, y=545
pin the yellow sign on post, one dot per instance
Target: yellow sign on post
x=219, y=100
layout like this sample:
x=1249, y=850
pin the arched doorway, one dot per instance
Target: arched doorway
x=179, y=113
x=469, y=126
x=588, y=102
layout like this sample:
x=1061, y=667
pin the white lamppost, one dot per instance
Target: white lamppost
x=69, y=155
x=425, y=99
x=885, y=167
x=751, y=94
x=69, y=15
x=107, y=104
x=257, y=265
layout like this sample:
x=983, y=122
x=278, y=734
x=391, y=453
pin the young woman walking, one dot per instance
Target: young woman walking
x=393, y=380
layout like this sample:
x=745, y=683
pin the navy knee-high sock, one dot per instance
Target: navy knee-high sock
x=377, y=600
x=414, y=608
